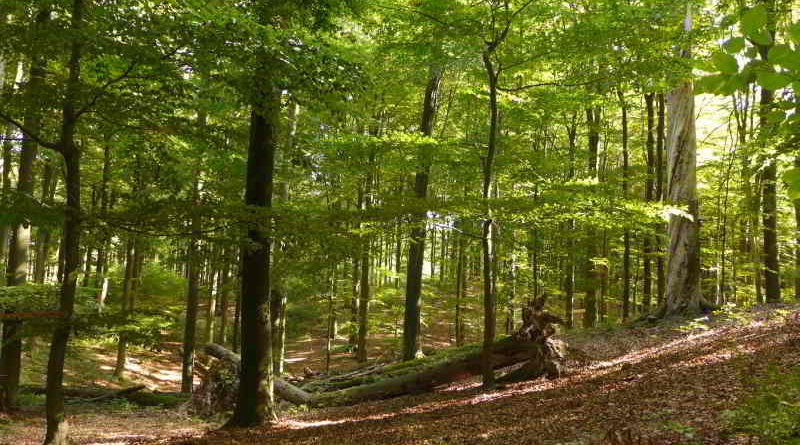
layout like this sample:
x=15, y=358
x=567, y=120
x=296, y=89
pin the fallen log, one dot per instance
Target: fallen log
x=113, y=395
x=283, y=389
x=531, y=344
x=134, y=394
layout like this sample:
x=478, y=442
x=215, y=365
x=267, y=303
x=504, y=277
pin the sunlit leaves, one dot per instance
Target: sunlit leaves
x=725, y=63
x=753, y=20
x=734, y=45
x=772, y=80
x=785, y=56
x=792, y=179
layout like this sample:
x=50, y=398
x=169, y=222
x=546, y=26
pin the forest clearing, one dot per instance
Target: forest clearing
x=399, y=221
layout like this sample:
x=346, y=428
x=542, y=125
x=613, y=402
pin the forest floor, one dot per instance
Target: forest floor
x=669, y=383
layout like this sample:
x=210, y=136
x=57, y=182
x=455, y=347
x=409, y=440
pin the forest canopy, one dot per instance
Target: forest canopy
x=391, y=177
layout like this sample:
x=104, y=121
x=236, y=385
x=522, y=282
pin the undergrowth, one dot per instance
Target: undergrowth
x=772, y=411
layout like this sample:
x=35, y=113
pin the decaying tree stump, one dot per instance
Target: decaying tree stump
x=531, y=344
x=546, y=355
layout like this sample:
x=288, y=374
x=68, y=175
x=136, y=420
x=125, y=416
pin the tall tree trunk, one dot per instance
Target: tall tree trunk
x=569, y=266
x=330, y=336
x=591, y=268
x=661, y=273
x=769, y=177
x=461, y=285
x=797, y=239
x=125, y=300
x=44, y=234
x=647, y=248
x=683, y=269
x=100, y=280
x=255, y=403
x=280, y=291
x=57, y=428
x=225, y=296
x=211, y=307
x=7, y=81
x=626, y=255
x=416, y=249
x=364, y=286
x=193, y=265
x=489, y=227
x=19, y=250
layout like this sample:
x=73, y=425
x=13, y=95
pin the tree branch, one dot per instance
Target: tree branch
x=30, y=134
x=549, y=84
x=104, y=88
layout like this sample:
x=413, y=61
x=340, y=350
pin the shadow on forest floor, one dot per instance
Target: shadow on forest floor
x=669, y=382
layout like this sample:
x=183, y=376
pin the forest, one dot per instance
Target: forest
x=399, y=221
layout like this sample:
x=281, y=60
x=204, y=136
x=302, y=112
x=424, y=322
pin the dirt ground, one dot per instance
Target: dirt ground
x=668, y=383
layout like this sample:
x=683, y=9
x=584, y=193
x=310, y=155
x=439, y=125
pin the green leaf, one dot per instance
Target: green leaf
x=773, y=81
x=794, y=32
x=761, y=37
x=753, y=20
x=792, y=179
x=710, y=84
x=734, y=45
x=725, y=63
x=784, y=56
x=732, y=84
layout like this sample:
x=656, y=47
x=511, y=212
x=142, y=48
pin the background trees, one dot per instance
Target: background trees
x=425, y=154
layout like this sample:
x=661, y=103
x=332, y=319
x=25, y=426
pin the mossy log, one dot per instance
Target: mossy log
x=138, y=395
x=543, y=356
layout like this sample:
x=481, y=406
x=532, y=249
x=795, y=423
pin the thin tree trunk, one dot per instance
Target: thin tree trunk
x=647, y=246
x=125, y=300
x=797, y=239
x=488, y=229
x=661, y=274
x=225, y=295
x=192, y=295
x=364, y=287
x=280, y=291
x=44, y=234
x=626, y=255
